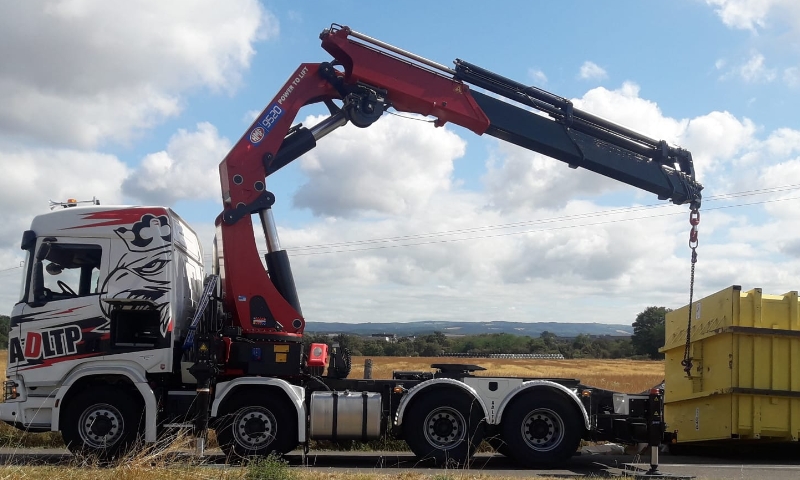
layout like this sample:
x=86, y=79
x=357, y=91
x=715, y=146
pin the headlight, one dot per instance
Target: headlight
x=10, y=390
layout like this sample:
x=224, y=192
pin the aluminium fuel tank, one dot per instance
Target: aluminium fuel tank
x=345, y=415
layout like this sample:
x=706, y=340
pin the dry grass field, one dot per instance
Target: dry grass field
x=628, y=376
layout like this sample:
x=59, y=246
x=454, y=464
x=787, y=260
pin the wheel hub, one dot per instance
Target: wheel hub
x=101, y=426
x=254, y=428
x=540, y=429
x=543, y=429
x=444, y=427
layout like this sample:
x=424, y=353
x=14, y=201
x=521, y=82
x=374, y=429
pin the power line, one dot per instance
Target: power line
x=301, y=254
x=10, y=268
x=432, y=237
x=304, y=249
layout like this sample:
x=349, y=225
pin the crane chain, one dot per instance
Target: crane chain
x=694, y=221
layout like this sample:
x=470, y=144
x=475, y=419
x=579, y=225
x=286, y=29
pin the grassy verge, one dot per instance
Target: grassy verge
x=158, y=465
x=10, y=437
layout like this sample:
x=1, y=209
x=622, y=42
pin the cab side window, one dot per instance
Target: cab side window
x=71, y=270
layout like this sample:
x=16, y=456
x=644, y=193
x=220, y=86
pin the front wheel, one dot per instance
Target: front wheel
x=444, y=426
x=101, y=421
x=257, y=427
x=542, y=429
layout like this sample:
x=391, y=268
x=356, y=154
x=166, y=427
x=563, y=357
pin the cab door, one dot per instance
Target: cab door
x=62, y=319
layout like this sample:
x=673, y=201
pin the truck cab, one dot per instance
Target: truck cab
x=101, y=283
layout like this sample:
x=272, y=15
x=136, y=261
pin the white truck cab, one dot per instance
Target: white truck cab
x=110, y=283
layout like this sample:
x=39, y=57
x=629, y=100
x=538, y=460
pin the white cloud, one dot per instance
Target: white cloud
x=394, y=166
x=717, y=137
x=482, y=276
x=791, y=77
x=625, y=106
x=186, y=170
x=778, y=21
x=592, y=71
x=538, y=76
x=757, y=14
x=32, y=177
x=250, y=116
x=96, y=72
x=518, y=179
x=752, y=70
x=755, y=70
x=783, y=142
x=743, y=14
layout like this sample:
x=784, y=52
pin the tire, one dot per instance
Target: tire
x=542, y=429
x=102, y=422
x=256, y=427
x=444, y=426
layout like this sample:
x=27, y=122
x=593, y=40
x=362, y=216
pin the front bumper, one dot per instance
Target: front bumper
x=28, y=413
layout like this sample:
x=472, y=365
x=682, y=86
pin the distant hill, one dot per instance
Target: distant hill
x=471, y=328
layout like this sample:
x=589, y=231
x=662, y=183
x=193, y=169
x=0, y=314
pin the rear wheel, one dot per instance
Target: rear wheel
x=445, y=428
x=102, y=421
x=542, y=429
x=257, y=428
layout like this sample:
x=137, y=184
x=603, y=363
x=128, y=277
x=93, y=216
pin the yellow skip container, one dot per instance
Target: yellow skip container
x=745, y=378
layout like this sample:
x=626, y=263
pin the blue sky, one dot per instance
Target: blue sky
x=142, y=113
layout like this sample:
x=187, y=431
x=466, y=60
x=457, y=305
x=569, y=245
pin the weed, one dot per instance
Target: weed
x=270, y=468
x=443, y=476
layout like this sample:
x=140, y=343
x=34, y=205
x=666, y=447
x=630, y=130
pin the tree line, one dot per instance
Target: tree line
x=647, y=338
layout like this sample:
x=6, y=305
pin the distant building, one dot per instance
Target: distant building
x=386, y=337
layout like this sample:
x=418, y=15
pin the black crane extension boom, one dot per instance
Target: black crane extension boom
x=582, y=139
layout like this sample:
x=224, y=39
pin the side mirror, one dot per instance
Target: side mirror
x=28, y=239
x=54, y=269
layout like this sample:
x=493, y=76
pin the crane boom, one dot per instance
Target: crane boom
x=368, y=77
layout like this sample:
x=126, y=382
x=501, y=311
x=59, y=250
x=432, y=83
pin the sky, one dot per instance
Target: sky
x=406, y=222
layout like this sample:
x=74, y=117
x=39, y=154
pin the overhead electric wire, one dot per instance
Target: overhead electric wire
x=301, y=254
x=10, y=268
x=370, y=243
x=562, y=218
x=303, y=249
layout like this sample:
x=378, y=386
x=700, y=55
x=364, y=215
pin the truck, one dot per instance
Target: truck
x=127, y=338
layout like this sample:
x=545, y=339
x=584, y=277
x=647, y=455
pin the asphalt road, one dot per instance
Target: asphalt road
x=721, y=465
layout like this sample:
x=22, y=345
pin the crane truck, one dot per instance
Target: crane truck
x=119, y=334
